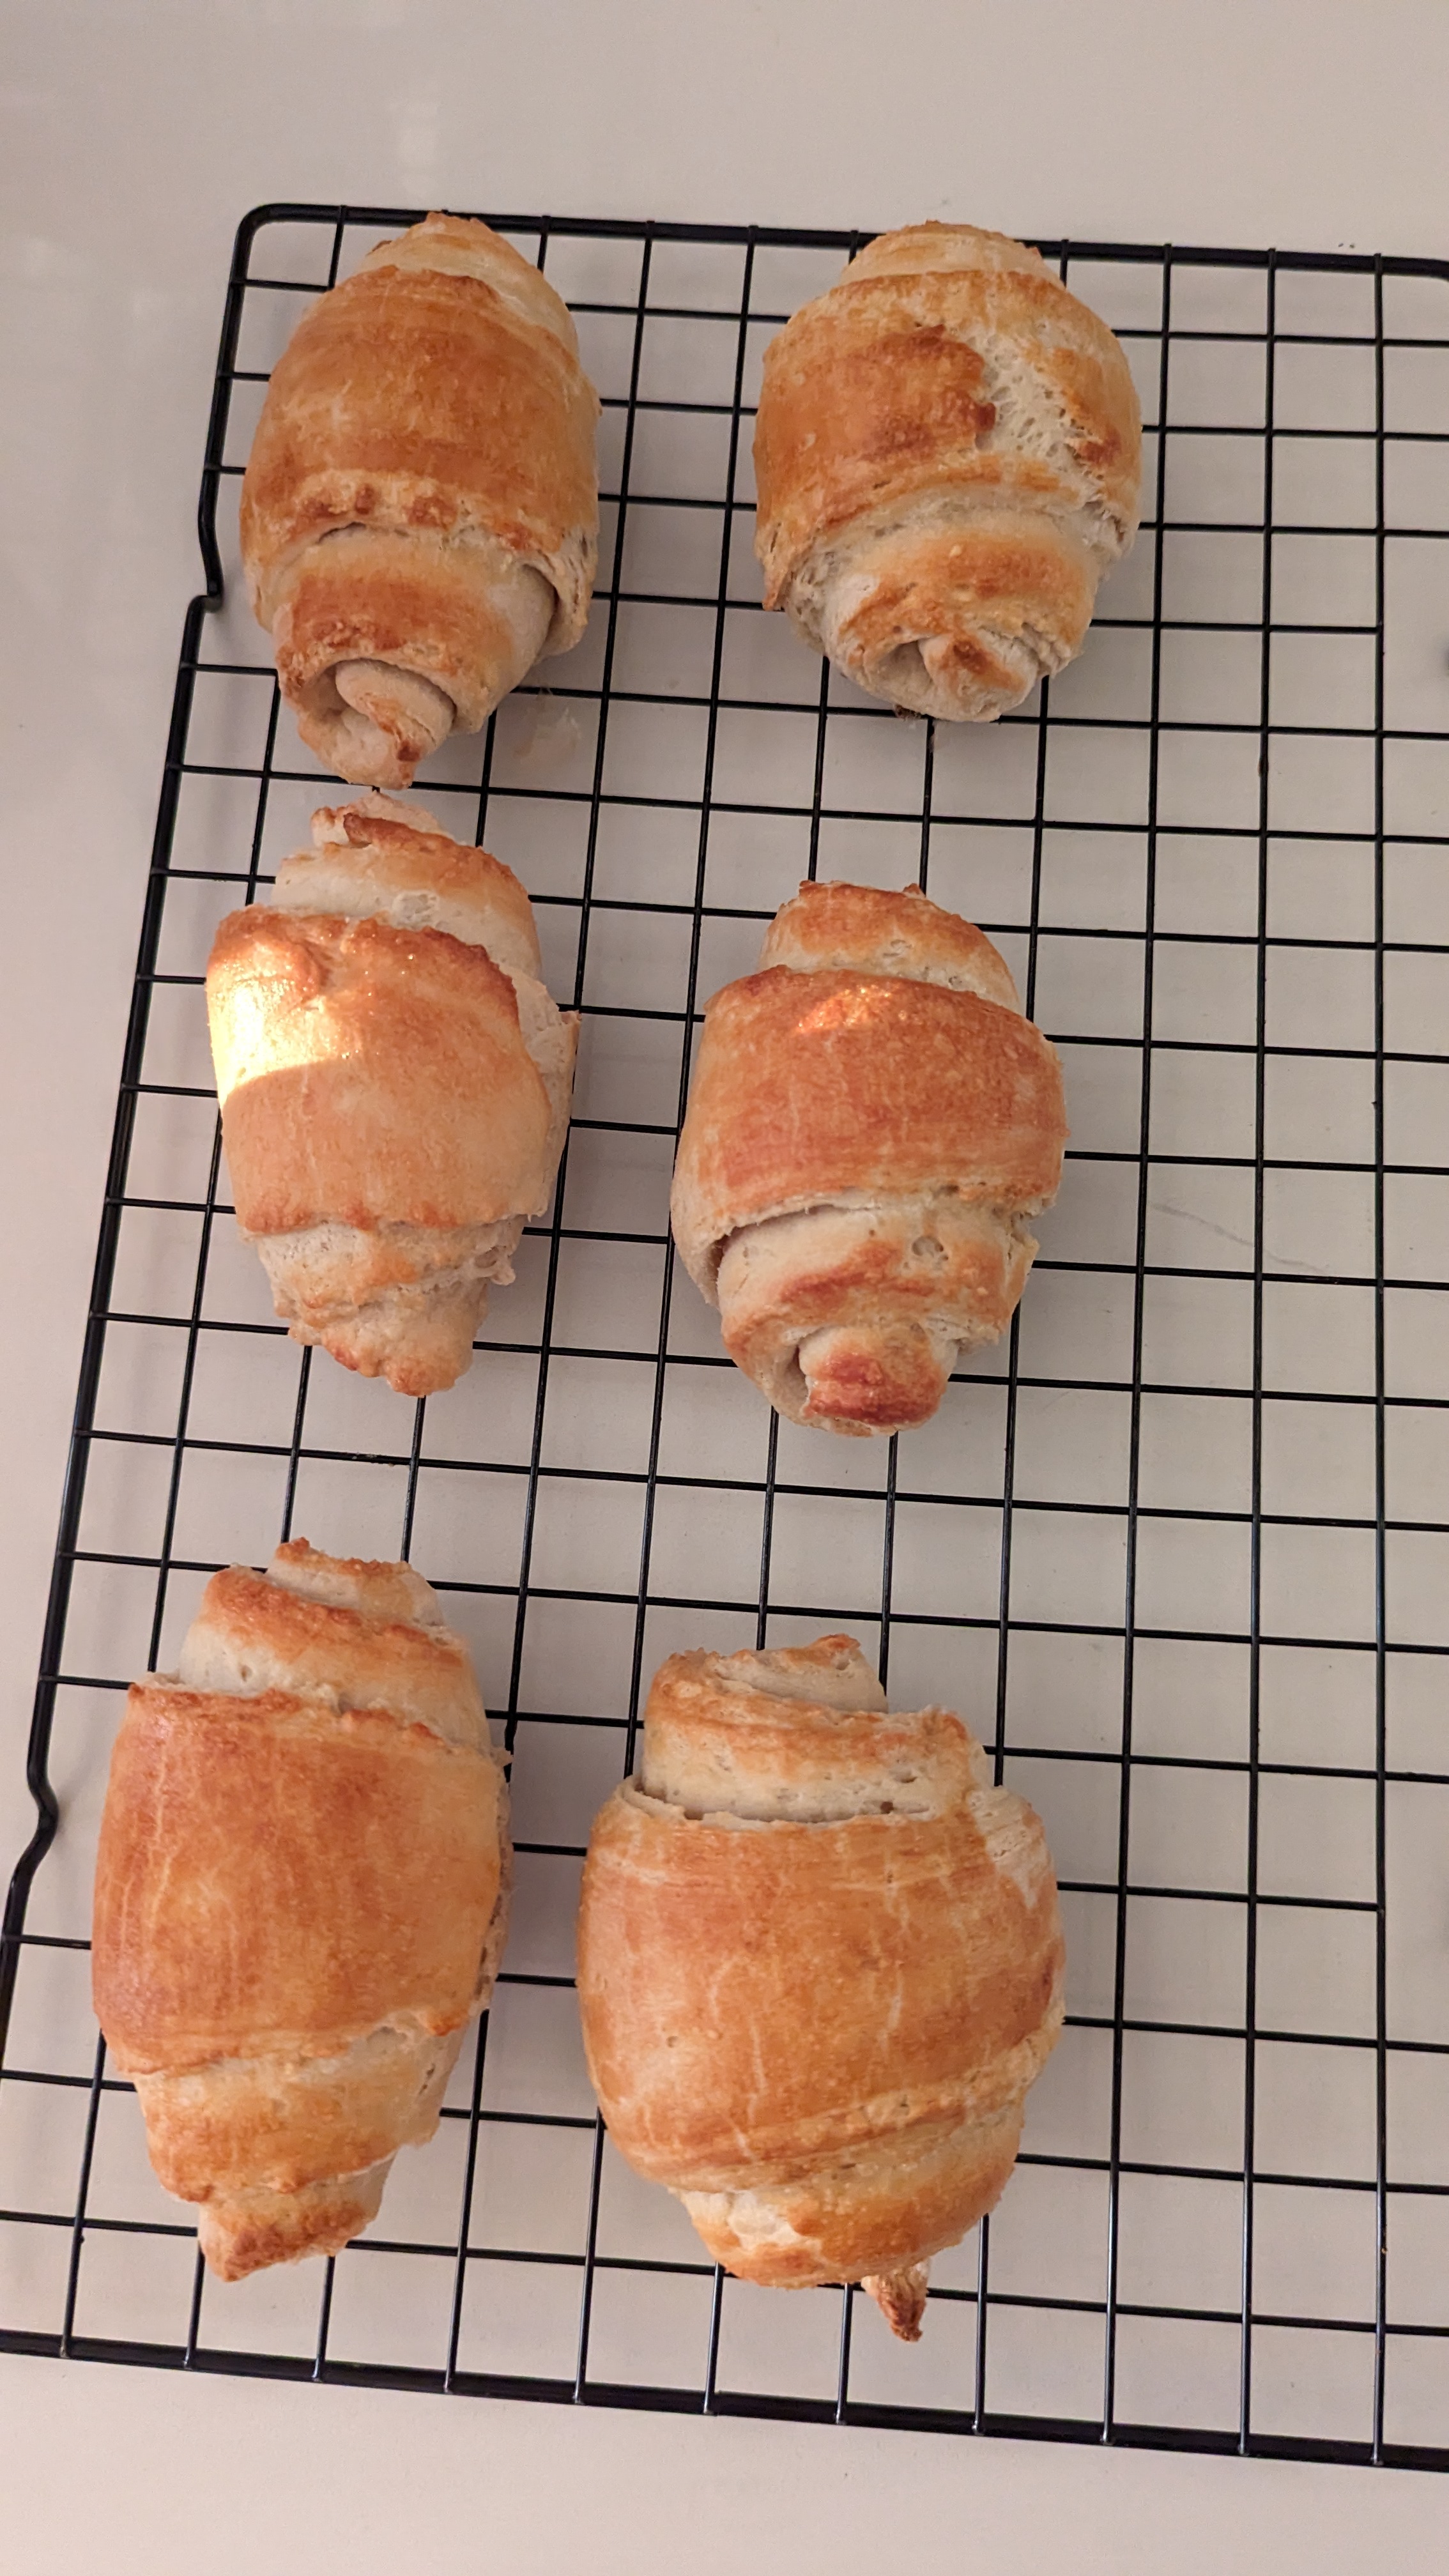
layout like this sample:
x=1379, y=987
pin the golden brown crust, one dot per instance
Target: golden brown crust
x=423, y=463
x=960, y=623
x=411, y=399
x=391, y=857
x=817, y=2028
x=374, y=1588
x=818, y=1088
x=849, y=2219
x=803, y=1732
x=865, y=401
x=901, y=2299
x=876, y=391
x=370, y=1076
x=877, y=931
x=908, y=2015
x=948, y=454
x=301, y=1896
x=916, y=249
x=296, y=1821
x=431, y=605
x=875, y=1302
x=254, y=1632
x=459, y=245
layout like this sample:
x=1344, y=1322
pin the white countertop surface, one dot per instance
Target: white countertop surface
x=134, y=134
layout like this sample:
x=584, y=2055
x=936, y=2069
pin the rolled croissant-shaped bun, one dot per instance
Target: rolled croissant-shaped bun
x=301, y=1897
x=871, y=1124
x=394, y=1085
x=948, y=454
x=420, y=513
x=820, y=1962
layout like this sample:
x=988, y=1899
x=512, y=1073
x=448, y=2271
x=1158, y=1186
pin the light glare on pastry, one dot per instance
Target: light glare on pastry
x=394, y=1083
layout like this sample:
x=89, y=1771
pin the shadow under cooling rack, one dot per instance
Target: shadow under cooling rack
x=1178, y=1549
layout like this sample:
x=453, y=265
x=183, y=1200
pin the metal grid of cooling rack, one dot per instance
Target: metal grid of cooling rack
x=1177, y=1549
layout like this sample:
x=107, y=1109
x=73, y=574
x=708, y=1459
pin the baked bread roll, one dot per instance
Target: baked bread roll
x=301, y=1897
x=872, y=1122
x=420, y=513
x=394, y=1085
x=948, y=455
x=820, y=1962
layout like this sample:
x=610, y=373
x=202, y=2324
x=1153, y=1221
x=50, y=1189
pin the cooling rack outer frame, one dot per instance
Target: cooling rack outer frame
x=1184, y=2438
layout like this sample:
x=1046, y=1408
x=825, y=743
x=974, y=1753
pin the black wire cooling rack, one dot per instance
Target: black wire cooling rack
x=1177, y=1549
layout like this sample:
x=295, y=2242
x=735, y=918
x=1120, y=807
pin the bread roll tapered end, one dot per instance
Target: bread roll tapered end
x=259, y=2228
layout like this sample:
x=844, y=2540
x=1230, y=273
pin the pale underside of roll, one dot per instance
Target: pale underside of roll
x=871, y=1126
x=419, y=517
x=948, y=453
x=820, y=1963
x=301, y=1897
x=394, y=1082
